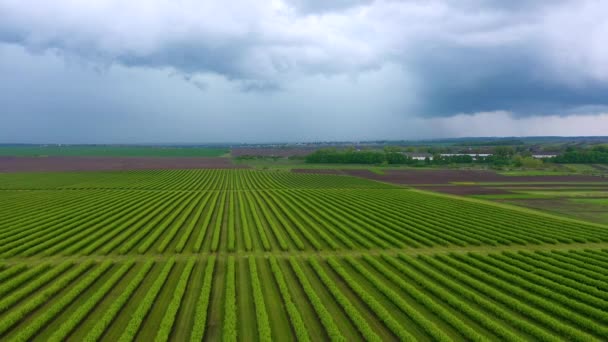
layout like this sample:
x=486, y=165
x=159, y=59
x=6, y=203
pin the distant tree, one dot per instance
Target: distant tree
x=527, y=162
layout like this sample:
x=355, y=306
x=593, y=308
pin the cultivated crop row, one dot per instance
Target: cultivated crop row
x=211, y=179
x=157, y=222
x=475, y=297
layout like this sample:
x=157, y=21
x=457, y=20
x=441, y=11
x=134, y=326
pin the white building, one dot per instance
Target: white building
x=542, y=155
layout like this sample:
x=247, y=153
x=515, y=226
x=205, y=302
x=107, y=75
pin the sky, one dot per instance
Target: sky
x=200, y=71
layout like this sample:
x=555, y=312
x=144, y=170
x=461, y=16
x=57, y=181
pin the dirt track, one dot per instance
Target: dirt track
x=34, y=164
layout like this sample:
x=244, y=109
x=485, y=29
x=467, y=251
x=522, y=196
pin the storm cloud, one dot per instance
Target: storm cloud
x=404, y=60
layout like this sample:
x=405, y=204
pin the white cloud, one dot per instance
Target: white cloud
x=269, y=39
x=303, y=69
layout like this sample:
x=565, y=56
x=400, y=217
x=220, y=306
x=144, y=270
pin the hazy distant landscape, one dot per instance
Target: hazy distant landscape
x=303, y=170
x=191, y=243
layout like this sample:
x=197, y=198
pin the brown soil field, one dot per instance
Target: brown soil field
x=271, y=152
x=448, y=176
x=464, y=190
x=34, y=164
x=420, y=178
x=320, y=171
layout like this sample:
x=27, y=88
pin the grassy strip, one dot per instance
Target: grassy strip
x=455, y=302
x=429, y=327
x=114, y=237
x=175, y=227
x=205, y=224
x=8, y=301
x=229, y=330
x=355, y=316
x=558, y=284
x=257, y=222
x=202, y=304
x=294, y=314
x=231, y=223
x=169, y=219
x=271, y=222
x=286, y=226
x=475, y=297
x=244, y=224
x=9, y=273
x=190, y=228
x=569, y=278
x=219, y=220
x=264, y=331
x=11, y=284
x=166, y=325
x=40, y=298
x=83, y=310
x=372, y=303
x=516, y=305
x=27, y=332
x=146, y=304
x=97, y=331
x=326, y=320
x=499, y=270
x=115, y=228
x=303, y=223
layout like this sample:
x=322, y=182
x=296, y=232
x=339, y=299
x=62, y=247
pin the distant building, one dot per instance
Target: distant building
x=418, y=156
x=472, y=155
x=542, y=155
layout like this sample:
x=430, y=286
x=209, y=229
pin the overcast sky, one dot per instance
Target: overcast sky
x=154, y=71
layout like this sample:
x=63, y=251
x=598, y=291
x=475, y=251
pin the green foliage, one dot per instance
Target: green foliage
x=297, y=322
x=595, y=156
x=166, y=325
x=176, y=225
x=450, y=297
x=231, y=224
x=192, y=224
x=219, y=220
x=333, y=156
x=348, y=230
x=328, y=322
x=264, y=332
x=358, y=320
x=202, y=304
x=27, y=289
x=380, y=311
x=146, y=304
x=83, y=310
x=229, y=328
x=57, y=307
x=244, y=223
x=426, y=301
x=39, y=299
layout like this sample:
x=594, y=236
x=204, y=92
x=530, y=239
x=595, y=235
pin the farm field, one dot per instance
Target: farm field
x=191, y=255
x=110, y=151
x=72, y=164
x=585, y=203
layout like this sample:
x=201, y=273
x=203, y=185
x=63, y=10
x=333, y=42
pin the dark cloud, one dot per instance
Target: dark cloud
x=527, y=58
x=472, y=80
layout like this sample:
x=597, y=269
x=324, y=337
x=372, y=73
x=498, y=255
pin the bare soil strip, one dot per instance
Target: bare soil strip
x=55, y=164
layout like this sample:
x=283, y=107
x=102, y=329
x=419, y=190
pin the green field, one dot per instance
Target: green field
x=249, y=255
x=110, y=151
x=584, y=202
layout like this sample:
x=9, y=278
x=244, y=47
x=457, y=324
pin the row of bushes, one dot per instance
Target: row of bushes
x=332, y=156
